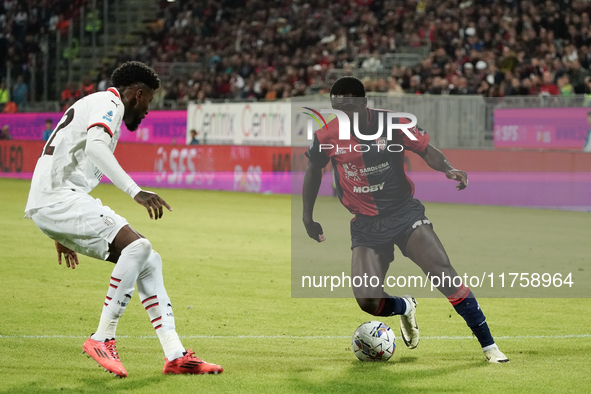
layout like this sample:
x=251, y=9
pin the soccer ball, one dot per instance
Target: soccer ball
x=373, y=341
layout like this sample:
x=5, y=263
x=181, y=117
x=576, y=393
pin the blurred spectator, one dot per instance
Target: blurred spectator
x=577, y=75
x=3, y=95
x=5, y=133
x=565, y=87
x=194, y=140
x=48, y=129
x=394, y=88
x=20, y=92
x=515, y=88
x=104, y=83
x=548, y=88
x=86, y=88
x=67, y=97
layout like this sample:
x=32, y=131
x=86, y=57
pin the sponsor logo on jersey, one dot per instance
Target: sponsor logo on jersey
x=108, y=116
x=374, y=169
x=368, y=189
x=351, y=171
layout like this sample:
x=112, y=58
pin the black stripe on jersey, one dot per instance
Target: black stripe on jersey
x=105, y=128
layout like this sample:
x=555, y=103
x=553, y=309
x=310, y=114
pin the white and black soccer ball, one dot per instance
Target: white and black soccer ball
x=373, y=341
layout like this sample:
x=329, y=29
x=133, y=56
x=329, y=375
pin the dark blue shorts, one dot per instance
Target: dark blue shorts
x=382, y=232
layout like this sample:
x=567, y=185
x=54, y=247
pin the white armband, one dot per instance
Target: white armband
x=97, y=150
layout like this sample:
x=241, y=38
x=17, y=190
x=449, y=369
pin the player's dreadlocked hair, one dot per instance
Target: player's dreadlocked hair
x=132, y=72
x=346, y=86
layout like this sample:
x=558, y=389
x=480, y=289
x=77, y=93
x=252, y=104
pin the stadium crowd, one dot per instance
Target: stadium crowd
x=24, y=36
x=273, y=49
x=282, y=48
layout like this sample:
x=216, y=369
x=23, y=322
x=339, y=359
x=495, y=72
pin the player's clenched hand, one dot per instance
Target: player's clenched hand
x=460, y=176
x=314, y=230
x=70, y=256
x=153, y=203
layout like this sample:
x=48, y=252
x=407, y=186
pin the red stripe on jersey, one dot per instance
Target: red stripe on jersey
x=115, y=92
x=115, y=279
x=152, y=306
x=156, y=319
x=158, y=326
x=107, y=129
x=113, y=286
x=109, y=298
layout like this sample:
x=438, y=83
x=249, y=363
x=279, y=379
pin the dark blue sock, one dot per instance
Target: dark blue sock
x=390, y=306
x=469, y=309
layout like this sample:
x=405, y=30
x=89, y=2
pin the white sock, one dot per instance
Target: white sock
x=131, y=262
x=150, y=286
x=493, y=346
x=408, y=307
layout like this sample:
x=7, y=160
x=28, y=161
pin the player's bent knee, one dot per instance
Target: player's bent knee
x=140, y=248
x=155, y=261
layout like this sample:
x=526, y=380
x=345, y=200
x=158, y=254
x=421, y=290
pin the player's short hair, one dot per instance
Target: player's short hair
x=346, y=86
x=133, y=72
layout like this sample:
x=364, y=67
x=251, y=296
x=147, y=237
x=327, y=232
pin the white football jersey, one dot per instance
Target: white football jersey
x=63, y=165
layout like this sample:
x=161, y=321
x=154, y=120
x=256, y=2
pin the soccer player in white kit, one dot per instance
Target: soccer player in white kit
x=74, y=159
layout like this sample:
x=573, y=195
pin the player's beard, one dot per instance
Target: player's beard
x=132, y=126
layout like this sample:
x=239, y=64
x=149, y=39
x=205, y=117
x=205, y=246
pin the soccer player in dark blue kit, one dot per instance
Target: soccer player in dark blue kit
x=374, y=187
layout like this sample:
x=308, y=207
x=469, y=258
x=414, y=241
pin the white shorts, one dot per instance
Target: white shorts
x=80, y=223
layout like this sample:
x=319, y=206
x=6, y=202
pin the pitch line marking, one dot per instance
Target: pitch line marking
x=573, y=336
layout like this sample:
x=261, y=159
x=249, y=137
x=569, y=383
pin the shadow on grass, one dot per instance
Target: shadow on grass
x=89, y=385
x=381, y=377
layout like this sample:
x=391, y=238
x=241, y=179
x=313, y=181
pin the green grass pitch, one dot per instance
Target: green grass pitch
x=227, y=271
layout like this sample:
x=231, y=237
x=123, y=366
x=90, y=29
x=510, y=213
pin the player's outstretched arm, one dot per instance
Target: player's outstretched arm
x=70, y=256
x=97, y=150
x=312, y=181
x=437, y=161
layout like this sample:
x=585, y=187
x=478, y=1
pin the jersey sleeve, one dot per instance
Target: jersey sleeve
x=104, y=114
x=97, y=150
x=316, y=155
x=422, y=138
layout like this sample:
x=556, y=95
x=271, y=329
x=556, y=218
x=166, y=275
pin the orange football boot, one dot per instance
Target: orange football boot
x=105, y=353
x=189, y=364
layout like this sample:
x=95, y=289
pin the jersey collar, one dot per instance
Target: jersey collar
x=115, y=92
